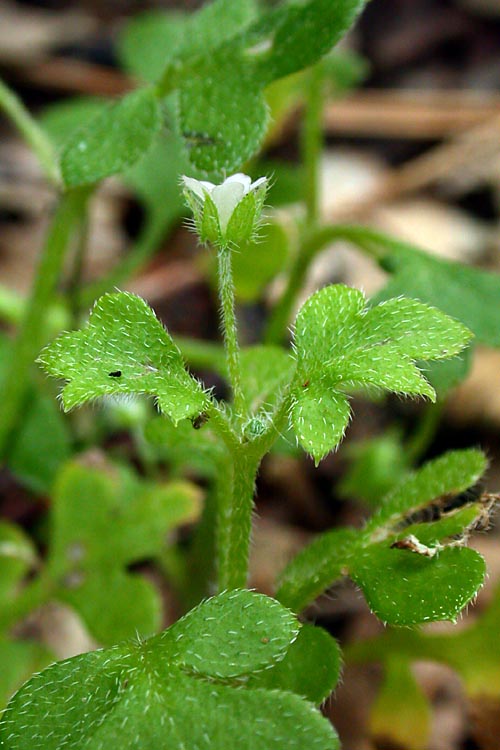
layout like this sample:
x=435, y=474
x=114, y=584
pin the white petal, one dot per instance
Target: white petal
x=226, y=197
x=198, y=187
x=240, y=178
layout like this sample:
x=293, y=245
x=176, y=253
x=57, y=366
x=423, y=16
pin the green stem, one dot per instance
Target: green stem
x=312, y=142
x=30, y=336
x=424, y=433
x=31, y=132
x=229, y=328
x=371, y=242
x=234, y=525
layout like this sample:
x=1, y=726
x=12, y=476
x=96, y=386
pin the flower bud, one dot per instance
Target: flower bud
x=229, y=213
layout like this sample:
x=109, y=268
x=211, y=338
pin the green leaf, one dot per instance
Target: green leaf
x=19, y=660
x=473, y=652
x=406, y=588
x=123, y=349
x=256, y=630
x=447, y=475
x=153, y=40
x=265, y=371
x=256, y=264
x=435, y=581
x=145, y=692
x=401, y=714
x=320, y=417
x=307, y=32
x=61, y=119
x=102, y=522
x=342, y=345
x=113, y=140
x=311, y=667
x=467, y=294
x=222, y=118
x=316, y=568
x=41, y=445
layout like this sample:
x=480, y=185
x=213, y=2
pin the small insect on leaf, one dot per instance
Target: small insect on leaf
x=115, y=374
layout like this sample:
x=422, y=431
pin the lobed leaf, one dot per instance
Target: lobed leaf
x=101, y=522
x=405, y=582
x=155, y=39
x=320, y=417
x=145, y=693
x=231, y=635
x=222, y=118
x=340, y=345
x=123, y=349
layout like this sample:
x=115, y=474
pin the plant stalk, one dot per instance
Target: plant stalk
x=229, y=327
x=31, y=132
x=234, y=525
x=29, y=339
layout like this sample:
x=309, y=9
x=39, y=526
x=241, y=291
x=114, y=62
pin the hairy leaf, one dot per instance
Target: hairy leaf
x=145, y=692
x=407, y=559
x=306, y=32
x=406, y=588
x=152, y=40
x=468, y=294
x=316, y=568
x=449, y=474
x=113, y=140
x=343, y=345
x=123, y=349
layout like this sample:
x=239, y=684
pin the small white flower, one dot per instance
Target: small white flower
x=227, y=199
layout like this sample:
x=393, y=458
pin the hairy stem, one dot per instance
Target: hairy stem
x=31, y=132
x=234, y=524
x=29, y=339
x=229, y=327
